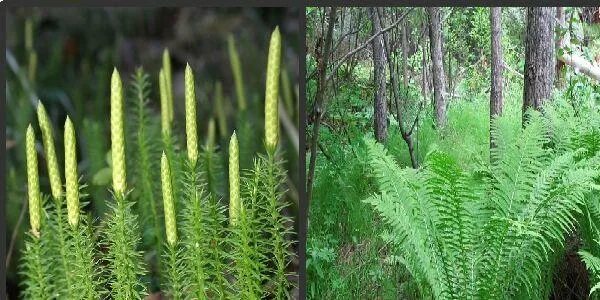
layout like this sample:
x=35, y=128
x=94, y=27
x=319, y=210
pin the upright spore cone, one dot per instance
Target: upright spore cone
x=72, y=186
x=117, y=134
x=169, y=206
x=220, y=110
x=190, y=116
x=272, y=92
x=51, y=159
x=164, y=104
x=28, y=34
x=234, y=180
x=33, y=185
x=168, y=82
x=210, y=137
x=236, y=68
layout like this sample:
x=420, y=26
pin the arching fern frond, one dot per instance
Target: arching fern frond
x=490, y=233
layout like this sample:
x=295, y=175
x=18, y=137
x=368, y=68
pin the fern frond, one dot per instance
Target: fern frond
x=490, y=233
x=593, y=265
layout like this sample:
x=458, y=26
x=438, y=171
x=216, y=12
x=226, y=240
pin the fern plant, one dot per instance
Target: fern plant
x=593, y=264
x=489, y=233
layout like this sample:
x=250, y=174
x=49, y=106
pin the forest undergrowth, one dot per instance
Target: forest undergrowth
x=352, y=251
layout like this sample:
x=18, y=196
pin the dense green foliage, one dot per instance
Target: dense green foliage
x=468, y=223
x=492, y=232
x=209, y=257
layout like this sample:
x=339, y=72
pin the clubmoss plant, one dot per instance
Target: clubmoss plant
x=270, y=205
x=32, y=54
x=57, y=225
x=145, y=154
x=86, y=283
x=72, y=185
x=213, y=177
x=51, y=159
x=248, y=261
x=164, y=104
x=236, y=69
x=121, y=237
x=211, y=134
x=272, y=92
x=200, y=226
x=34, y=267
x=117, y=134
x=212, y=164
x=220, y=110
x=33, y=185
x=174, y=279
x=190, y=116
x=94, y=136
x=166, y=58
x=234, y=181
x=200, y=252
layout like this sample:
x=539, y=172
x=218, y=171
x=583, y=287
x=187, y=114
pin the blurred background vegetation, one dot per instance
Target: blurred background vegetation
x=64, y=57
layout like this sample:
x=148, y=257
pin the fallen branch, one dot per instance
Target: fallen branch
x=507, y=67
x=581, y=65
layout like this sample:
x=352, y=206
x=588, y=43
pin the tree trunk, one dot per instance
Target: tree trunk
x=539, y=58
x=435, y=40
x=405, y=55
x=560, y=42
x=380, y=103
x=424, y=87
x=497, y=62
x=318, y=108
x=406, y=135
x=496, y=100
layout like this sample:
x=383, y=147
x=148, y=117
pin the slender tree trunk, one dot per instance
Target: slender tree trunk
x=424, y=87
x=496, y=100
x=380, y=103
x=406, y=135
x=405, y=54
x=560, y=42
x=439, y=90
x=319, y=107
x=539, y=58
